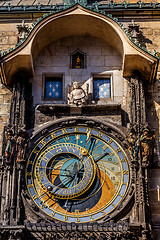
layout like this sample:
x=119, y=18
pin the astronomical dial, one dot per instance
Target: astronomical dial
x=77, y=174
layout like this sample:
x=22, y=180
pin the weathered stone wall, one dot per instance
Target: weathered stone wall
x=101, y=59
x=8, y=39
x=149, y=36
x=5, y=99
x=8, y=35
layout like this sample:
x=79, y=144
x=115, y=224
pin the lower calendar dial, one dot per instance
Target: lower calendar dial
x=77, y=174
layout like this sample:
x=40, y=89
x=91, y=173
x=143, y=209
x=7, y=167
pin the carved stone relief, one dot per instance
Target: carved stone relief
x=77, y=95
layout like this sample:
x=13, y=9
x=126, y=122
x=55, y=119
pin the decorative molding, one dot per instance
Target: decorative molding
x=60, y=8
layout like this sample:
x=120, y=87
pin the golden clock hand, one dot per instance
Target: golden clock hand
x=55, y=169
x=61, y=174
x=99, y=158
x=93, y=140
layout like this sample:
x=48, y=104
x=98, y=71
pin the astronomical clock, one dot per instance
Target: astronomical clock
x=78, y=174
x=78, y=144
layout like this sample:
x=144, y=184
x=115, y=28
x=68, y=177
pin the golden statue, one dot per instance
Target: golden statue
x=78, y=62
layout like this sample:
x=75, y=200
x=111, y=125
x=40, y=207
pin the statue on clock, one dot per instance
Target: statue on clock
x=21, y=145
x=147, y=145
x=77, y=95
x=10, y=146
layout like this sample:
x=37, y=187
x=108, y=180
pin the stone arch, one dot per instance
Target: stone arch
x=78, y=21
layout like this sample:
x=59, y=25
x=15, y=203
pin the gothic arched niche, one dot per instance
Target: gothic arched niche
x=78, y=59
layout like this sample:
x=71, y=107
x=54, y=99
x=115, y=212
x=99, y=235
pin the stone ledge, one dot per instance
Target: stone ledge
x=60, y=109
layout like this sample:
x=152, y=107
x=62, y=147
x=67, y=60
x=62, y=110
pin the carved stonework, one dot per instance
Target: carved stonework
x=17, y=113
x=146, y=144
x=12, y=171
x=137, y=104
x=21, y=145
x=77, y=95
x=22, y=29
x=133, y=147
x=16, y=146
x=133, y=28
x=10, y=146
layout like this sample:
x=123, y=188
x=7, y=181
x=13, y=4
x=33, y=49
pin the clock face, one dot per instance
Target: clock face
x=77, y=174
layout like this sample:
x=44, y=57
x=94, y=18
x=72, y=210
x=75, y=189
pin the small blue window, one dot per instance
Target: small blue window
x=53, y=87
x=101, y=88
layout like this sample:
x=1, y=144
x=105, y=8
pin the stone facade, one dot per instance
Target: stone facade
x=102, y=59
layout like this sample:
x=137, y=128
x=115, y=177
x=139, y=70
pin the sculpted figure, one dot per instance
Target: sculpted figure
x=11, y=145
x=21, y=145
x=78, y=62
x=146, y=143
x=133, y=147
x=78, y=95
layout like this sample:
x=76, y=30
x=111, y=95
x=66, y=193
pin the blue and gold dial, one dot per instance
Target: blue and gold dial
x=77, y=174
x=65, y=169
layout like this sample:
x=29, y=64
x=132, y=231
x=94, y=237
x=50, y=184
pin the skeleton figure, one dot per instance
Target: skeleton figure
x=21, y=145
x=78, y=94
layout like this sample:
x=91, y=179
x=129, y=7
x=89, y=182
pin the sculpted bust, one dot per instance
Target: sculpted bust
x=78, y=94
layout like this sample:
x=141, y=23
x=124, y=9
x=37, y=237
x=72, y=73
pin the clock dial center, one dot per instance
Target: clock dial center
x=70, y=173
x=73, y=171
x=84, y=151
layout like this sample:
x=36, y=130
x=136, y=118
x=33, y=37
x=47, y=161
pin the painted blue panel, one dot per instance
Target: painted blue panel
x=39, y=146
x=85, y=219
x=71, y=219
x=29, y=181
x=38, y=201
x=123, y=189
x=59, y=216
x=70, y=129
x=81, y=129
x=94, y=132
x=117, y=200
x=101, y=88
x=48, y=211
x=42, y=163
x=31, y=189
x=54, y=89
x=125, y=166
x=48, y=138
x=106, y=138
x=43, y=179
x=57, y=133
x=125, y=178
x=114, y=145
x=108, y=209
x=97, y=215
x=120, y=154
x=49, y=155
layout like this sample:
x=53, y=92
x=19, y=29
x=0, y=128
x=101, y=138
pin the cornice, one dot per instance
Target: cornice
x=59, y=9
x=40, y=7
